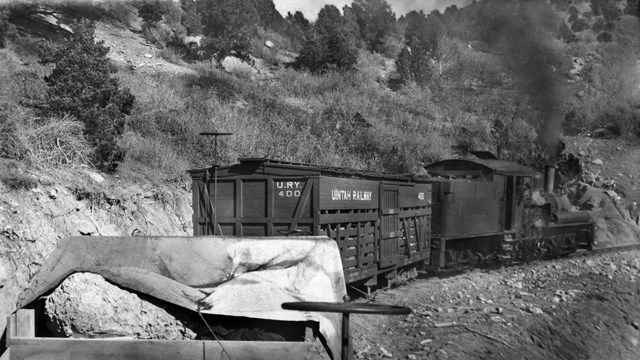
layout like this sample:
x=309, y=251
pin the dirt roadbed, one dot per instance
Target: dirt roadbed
x=579, y=308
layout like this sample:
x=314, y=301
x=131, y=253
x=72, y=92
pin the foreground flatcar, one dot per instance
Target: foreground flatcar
x=380, y=221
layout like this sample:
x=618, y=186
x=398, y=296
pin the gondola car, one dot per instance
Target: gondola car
x=380, y=221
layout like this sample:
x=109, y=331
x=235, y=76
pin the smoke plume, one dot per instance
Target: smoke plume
x=522, y=33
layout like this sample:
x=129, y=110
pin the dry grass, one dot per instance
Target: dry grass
x=53, y=142
x=154, y=157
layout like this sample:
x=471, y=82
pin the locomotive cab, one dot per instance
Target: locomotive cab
x=485, y=209
x=489, y=192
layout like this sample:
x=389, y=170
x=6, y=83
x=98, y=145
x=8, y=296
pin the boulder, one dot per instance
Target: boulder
x=86, y=305
x=95, y=177
x=4, y=274
x=234, y=65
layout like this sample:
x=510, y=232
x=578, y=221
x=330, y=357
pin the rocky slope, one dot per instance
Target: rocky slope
x=76, y=202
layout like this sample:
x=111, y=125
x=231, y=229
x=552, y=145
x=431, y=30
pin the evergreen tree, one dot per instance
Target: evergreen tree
x=376, y=22
x=331, y=47
x=229, y=26
x=270, y=18
x=329, y=20
x=81, y=85
x=190, y=17
x=422, y=39
x=298, y=18
x=297, y=27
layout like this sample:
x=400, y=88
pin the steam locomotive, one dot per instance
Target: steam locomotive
x=464, y=212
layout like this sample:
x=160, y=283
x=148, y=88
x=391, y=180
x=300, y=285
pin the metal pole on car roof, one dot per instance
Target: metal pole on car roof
x=215, y=175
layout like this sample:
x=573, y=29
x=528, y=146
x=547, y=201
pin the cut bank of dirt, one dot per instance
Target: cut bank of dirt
x=569, y=309
x=77, y=202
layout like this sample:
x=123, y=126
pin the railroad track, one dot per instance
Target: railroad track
x=447, y=272
x=607, y=250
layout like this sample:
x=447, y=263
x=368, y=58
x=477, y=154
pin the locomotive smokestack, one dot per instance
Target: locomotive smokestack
x=549, y=175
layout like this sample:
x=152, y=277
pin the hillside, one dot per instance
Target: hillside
x=533, y=83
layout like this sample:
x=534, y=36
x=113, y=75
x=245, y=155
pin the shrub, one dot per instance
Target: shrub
x=599, y=25
x=171, y=56
x=566, y=34
x=11, y=145
x=120, y=12
x=7, y=30
x=81, y=85
x=621, y=120
x=632, y=8
x=151, y=13
x=18, y=181
x=604, y=37
x=154, y=156
x=579, y=25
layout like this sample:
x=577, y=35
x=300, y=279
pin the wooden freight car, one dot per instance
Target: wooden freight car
x=380, y=221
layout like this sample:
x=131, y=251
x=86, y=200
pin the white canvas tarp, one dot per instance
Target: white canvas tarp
x=249, y=277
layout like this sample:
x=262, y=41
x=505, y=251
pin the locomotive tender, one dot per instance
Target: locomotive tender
x=467, y=211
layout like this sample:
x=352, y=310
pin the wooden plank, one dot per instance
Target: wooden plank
x=347, y=263
x=368, y=258
x=94, y=349
x=111, y=349
x=11, y=327
x=315, y=207
x=359, y=239
x=346, y=252
x=368, y=239
x=415, y=212
x=302, y=203
x=350, y=242
x=406, y=232
x=342, y=218
x=261, y=350
x=262, y=220
x=25, y=323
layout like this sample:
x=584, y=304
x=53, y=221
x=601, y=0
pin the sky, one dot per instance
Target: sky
x=310, y=8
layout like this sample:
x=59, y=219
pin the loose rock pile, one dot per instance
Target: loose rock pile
x=571, y=308
x=86, y=305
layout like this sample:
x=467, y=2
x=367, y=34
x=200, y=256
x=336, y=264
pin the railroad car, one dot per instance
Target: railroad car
x=465, y=212
x=380, y=221
x=487, y=209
